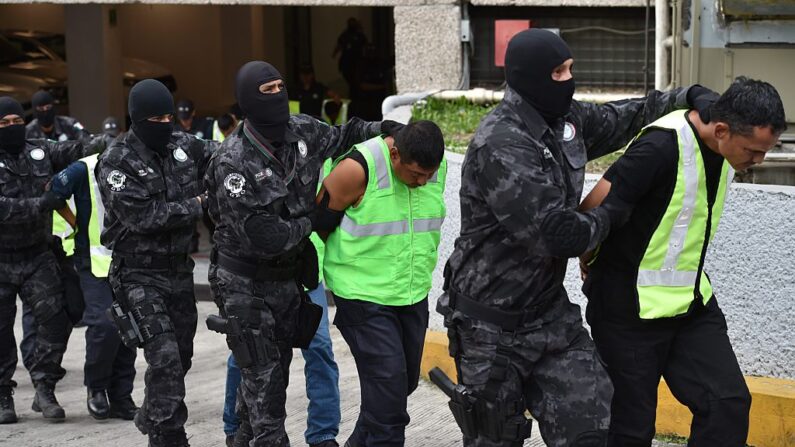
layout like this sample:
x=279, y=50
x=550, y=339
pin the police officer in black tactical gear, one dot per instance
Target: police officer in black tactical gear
x=517, y=340
x=28, y=267
x=150, y=185
x=262, y=185
x=51, y=126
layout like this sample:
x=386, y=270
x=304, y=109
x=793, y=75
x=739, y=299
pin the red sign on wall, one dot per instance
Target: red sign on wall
x=503, y=31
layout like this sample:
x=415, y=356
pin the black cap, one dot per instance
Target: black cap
x=10, y=106
x=184, y=108
x=42, y=98
x=149, y=98
x=110, y=126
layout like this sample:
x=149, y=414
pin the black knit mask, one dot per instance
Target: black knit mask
x=268, y=113
x=12, y=138
x=150, y=98
x=531, y=57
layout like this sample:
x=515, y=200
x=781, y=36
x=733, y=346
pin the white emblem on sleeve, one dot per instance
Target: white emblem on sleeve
x=37, y=154
x=302, y=148
x=235, y=184
x=63, y=137
x=116, y=180
x=180, y=155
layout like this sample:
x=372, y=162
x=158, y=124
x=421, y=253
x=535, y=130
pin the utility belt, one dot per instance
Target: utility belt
x=286, y=269
x=152, y=262
x=508, y=321
x=8, y=255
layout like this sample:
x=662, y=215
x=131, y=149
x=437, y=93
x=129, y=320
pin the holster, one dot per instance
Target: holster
x=129, y=331
x=308, y=320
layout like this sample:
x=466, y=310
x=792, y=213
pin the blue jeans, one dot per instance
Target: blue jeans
x=322, y=383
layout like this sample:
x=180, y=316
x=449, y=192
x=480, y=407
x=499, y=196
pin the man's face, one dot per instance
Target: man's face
x=743, y=151
x=10, y=120
x=411, y=174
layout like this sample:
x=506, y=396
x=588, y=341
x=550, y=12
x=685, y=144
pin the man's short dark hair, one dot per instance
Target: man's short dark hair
x=225, y=122
x=747, y=104
x=421, y=142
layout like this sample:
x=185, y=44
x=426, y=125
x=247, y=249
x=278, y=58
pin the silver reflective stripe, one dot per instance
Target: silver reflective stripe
x=381, y=168
x=434, y=178
x=671, y=278
x=91, y=162
x=423, y=225
x=322, y=174
x=676, y=241
x=376, y=229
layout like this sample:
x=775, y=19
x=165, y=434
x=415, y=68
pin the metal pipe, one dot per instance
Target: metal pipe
x=646, y=48
x=695, y=44
x=663, y=40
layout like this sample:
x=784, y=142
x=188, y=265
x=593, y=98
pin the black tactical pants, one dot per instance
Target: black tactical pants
x=696, y=359
x=168, y=352
x=37, y=281
x=386, y=343
x=553, y=366
x=272, y=309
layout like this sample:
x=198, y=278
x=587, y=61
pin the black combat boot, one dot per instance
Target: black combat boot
x=123, y=408
x=170, y=438
x=7, y=413
x=45, y=402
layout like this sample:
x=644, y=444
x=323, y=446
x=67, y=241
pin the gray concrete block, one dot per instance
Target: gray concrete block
x=427, y=47
x=749, y=262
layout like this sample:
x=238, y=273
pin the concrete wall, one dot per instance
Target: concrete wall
x=42, y=17
x=750, y=263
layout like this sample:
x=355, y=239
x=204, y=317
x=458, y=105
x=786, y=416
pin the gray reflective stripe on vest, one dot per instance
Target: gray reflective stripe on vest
x=423, y=225
x=666, y=278
x=435, y=177
x=99, y=250
x=375, y=229
x=676, y=242
x=381, y=168
x=322, y=174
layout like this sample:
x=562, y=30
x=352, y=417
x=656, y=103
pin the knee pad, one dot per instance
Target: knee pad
x=596, y=438
x=46, y=308
x=56, y=328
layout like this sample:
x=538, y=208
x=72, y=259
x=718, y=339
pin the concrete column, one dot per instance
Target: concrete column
x=427, y=47
x=93, y=51
x=237, y=46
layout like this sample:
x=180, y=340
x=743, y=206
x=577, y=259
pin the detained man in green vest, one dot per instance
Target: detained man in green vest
x=110, y=365
x=651, y=305
x=379, y=263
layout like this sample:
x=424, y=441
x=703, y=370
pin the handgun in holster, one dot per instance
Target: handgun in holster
x=477, y=416
x=238, y=340
x=129, y=331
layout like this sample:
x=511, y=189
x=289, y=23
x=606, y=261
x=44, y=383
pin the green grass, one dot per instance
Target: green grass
x=459, y=119
x=671, y=438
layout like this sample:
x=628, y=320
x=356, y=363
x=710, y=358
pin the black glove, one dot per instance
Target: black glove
x=203, y=200
x=701, y=99
x=391, y=128
x=323, y=218
x=49, y=201
x=565, y=233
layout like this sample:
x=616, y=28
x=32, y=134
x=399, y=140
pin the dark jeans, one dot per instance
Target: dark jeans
x=695, y=357
x=386, y=343
x=110, y=365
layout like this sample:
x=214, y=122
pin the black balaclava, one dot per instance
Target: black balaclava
x=43, y=98
x=12, y=138
x=529, y=60
x=268, y=113
x=110, y=126
x=150, y=98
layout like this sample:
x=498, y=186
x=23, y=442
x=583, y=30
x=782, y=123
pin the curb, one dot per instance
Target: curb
x=772, y=408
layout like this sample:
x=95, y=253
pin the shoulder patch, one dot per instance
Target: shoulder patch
x=116, y=180
x=37, y=154
x=569, y=131
x=235, y=185
x=180, y=155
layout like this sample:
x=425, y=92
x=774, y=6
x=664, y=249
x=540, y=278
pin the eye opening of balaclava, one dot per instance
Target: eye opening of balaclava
x=42, y=98
x=150, y=98
x=531, y=57
x=268, y=113
x=12, y=138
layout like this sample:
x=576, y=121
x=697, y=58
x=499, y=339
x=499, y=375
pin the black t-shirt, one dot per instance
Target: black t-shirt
x=359, y=158
x=644, y=178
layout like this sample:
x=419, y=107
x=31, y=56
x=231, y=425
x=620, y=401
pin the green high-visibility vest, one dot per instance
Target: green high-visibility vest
x=385, y=249
x=63, y=230
x=342, y=117
x=671, y=269
x=100, y=256
x=295, y=107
